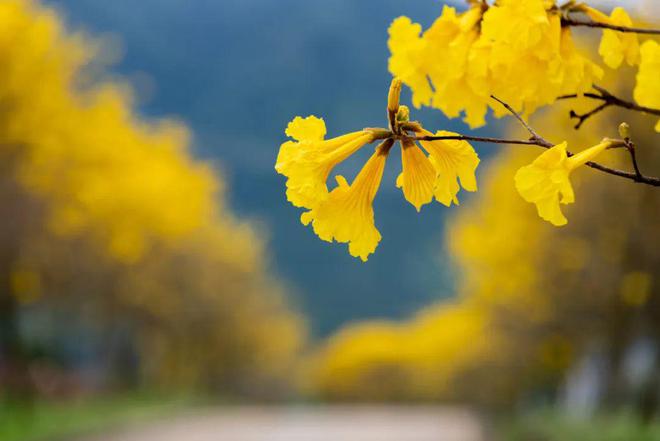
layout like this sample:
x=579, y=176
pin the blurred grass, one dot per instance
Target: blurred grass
x=49, y=421
x=551, y=426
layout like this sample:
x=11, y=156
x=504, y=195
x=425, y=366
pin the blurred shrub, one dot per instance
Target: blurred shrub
x=113, y=236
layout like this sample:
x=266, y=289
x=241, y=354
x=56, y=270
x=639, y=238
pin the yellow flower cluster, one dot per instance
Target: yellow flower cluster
x=515, y=49
x=520, y=51
x=345, y=214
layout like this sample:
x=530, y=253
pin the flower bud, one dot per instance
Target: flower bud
x=403, y=115
x=393, y=95
x=624, y=130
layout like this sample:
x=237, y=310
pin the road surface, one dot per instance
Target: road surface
x=336, y=423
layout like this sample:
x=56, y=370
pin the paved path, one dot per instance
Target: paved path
x=335, y=423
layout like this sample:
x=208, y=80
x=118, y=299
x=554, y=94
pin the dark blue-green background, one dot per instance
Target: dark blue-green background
x=236, y=71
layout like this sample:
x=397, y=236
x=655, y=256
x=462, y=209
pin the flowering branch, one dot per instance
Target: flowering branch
x=535, y=139
x=637, y=176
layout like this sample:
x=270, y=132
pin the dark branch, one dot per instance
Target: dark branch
x=613, y=100
x=535, y=136
x=479, y=139
x=637, y=176
x=608, y=99
x=585, y=116
x=594, y=24
x=633, y=157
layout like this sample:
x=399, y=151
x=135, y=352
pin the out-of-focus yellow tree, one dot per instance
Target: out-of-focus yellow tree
x=533, y=300
x=108, y=220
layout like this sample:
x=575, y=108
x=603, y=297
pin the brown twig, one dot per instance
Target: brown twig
x=633, y=157
x=613, y=100
x=566, y=21
x=478, y=139
x=608, y=99
x=585, y=116
x=535, y=136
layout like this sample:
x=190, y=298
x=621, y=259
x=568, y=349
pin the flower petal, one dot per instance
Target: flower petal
x=306, y=129
x=408, y=60
x=418, y=177
x=544, y=180
x=347, y=214
x=452, y=160
x=308, y=163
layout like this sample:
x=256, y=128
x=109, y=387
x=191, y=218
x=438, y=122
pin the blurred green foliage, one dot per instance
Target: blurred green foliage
x=48, y=420
x=550, y=426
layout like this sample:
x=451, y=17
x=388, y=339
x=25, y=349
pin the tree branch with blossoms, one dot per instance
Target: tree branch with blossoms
x=518, y=54
x=535, y=140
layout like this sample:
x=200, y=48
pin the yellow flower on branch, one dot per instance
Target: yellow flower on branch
x=453, y=160
x=409, y=60
x=615, y=46
x=345, y=214
x=545, y=182
x=417, y=179
x=308, y=161
x=647, y=89
x=518, y=23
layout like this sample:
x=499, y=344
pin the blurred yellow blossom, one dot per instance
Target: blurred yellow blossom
x=647, y=89
x=636, y=288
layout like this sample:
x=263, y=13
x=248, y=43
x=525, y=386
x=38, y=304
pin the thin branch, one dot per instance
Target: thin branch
x=480, y=139
x=637, y=176
x=535, y=136
x=608, y=99
x=613, y=100
x=633, y=157
x=585, y=116
x=565, y=21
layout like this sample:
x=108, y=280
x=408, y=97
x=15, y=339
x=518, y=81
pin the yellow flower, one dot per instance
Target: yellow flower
x=544, y=180
x=577, y=72
x=417, y=179
x=519, y=23
x=453, y=35
x=453, y=160
x=647, y=89
x=409, y=58
x=616, y=46
x=347, y=214
x=308, y=162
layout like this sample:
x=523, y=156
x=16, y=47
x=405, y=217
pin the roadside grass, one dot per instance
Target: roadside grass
x=53, y=421
x=550, y=426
